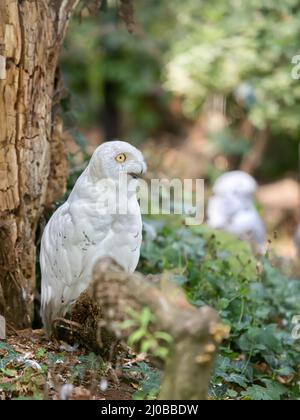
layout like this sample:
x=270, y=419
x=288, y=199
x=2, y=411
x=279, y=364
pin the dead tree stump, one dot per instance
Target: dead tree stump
x=196, y=333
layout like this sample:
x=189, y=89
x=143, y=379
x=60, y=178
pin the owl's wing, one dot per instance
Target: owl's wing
x=215, y=217
x=57, y=263
x=57, y=239
x=248, y=225
x=218, y=213
x=64, y=259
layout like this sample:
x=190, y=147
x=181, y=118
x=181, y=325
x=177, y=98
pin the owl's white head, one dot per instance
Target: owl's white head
x=238, y=183
x=117, y=157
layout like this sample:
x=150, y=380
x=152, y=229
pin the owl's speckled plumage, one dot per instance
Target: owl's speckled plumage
x=84, y=229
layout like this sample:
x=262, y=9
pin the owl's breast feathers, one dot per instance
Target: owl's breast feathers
x=81, y=231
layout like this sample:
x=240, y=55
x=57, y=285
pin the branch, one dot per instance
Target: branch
x=126, y=13
x=254, y=158
x=63, y=10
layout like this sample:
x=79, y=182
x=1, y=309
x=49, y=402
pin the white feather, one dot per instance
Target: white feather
x=237, y=183
x=84, y=229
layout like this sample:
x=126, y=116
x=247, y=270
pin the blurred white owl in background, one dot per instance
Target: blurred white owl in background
x=232, y=209
x=85, y=228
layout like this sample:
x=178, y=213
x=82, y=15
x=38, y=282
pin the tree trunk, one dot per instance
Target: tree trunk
x=32, y=166
x=253, y=159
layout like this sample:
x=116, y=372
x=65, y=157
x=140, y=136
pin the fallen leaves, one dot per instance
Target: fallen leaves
x=31, y=367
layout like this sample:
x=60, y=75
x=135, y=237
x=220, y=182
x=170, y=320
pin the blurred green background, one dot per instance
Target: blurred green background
x=225, y=66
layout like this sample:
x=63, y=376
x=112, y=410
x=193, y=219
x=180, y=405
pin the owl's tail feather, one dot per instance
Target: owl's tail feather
x=49, y=313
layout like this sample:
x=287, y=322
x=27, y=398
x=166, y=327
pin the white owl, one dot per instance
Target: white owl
x=101, y=218
x=232, y=209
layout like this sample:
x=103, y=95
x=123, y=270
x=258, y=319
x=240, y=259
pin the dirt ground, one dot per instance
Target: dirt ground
x=75, y=374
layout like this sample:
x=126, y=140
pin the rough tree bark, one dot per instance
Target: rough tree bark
x=32, y=166
x=100, y=312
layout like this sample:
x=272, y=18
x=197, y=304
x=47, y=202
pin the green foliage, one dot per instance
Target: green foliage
x=8, y=354
x=149, y=384
x=100, y=52
x=253, y=298
x=231, y=145
x=233, y=45
x=26, y=376
x=241, y=51
x=20, y=378
x=155, y=342
x=272, y=391
x=88, y=363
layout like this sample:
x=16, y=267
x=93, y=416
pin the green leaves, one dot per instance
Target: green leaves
x=271, y=391
x=155, y=342
x=22, y=377
x=261, y=339
x=137, y=336
x=7, y=355
x=150, y=382
x=222, y=54
x=258, y=305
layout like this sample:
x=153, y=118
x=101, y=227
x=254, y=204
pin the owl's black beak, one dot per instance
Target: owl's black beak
x=136, y=175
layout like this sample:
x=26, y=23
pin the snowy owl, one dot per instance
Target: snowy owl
x=232, y=209
x=90, y=225
x=238, y=183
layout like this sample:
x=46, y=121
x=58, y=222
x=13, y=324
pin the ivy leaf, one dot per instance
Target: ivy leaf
x=272, y=391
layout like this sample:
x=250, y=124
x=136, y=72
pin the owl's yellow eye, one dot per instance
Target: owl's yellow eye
x=121, y=158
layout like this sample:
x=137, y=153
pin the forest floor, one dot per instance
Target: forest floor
x=32, y=367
